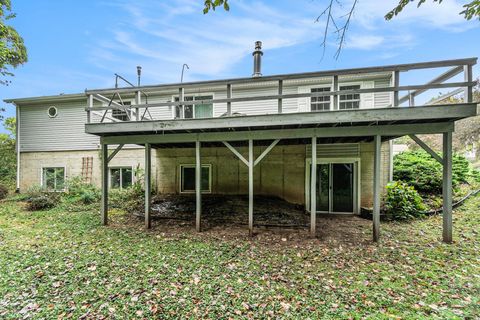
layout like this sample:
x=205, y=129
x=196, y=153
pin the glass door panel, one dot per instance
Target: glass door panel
x=323, y=187
x=342, y=187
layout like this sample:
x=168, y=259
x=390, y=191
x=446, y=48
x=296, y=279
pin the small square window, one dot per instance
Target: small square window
x=53, y=178
x=121, y=178
x=187, y=178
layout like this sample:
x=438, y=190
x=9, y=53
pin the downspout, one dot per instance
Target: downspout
x=17, y=144
x=390, y=160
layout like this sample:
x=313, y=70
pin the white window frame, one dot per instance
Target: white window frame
x=307, y=103
x=192, y=95
x=54, y=167
x=346, y=84
x=121, y=182
x=180, y=178
x=330, y=102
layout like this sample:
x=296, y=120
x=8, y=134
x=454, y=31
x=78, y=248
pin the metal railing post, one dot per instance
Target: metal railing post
x=280, y=93
x=89, y=109
x=335, y=89
x=411, y=99
x=468, y=93
x=229, y=96
x=396, y=82
x=181, y=97
x=138, y=101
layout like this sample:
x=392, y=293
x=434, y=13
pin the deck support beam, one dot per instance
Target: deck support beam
x=114, y=153
x=148, y=184
x=447, y=187
x=104, y=152
x=235, y=152
x=377, y=141
x=250, y=187
x=250, y=163
x=265, y=152
x=426, y=148
x=198, y=187
x=313, y=189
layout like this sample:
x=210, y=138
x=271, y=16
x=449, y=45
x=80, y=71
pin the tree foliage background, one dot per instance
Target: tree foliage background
x=8, y=156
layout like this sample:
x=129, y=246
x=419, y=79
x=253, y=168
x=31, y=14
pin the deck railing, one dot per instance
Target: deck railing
x=140, y=111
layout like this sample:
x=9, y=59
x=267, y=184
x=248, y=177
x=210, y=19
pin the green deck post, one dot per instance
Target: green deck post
x=447, y=187
x=377, y=141
x=104, y=152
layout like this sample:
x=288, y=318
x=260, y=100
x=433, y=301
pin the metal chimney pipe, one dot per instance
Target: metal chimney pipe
x=139, y=74
x=257, y=60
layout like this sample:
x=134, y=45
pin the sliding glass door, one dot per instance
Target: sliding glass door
x=336, y=187
x=342, y=187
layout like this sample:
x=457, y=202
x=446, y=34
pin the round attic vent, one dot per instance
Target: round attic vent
x=52, y=112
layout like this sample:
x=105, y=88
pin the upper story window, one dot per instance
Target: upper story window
x=121, y=114
x=349, y=101
x=194, y=111
x=53, y=178
x=121, y=177
x=320, y=103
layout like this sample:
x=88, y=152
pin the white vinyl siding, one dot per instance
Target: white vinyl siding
x=39, y=132
x=66, y=131
x=382, y=99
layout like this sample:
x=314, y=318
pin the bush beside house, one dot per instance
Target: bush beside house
x=418, y=180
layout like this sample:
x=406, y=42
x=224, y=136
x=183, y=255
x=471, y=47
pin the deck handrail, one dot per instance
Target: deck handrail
x=457, y=66
x=292, y=95
x=327, y=73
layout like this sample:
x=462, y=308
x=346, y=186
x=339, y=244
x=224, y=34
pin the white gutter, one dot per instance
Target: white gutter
x=17, y=144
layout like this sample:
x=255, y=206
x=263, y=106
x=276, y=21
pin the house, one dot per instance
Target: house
x=325, y=133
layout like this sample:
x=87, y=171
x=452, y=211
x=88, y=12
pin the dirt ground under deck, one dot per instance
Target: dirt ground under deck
x=226, y=217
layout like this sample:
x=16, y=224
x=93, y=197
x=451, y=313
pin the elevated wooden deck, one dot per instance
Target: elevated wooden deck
x=361, y=124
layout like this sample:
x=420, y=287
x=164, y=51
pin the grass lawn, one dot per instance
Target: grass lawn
x=63, y=264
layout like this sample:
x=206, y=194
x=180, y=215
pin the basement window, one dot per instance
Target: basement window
x=187, y=178
x=53, y=178
x=351, y=100
x=320, y=103
x=121, y=177
x=194, y=111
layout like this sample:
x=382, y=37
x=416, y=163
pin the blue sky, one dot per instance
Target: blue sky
x=74, y=45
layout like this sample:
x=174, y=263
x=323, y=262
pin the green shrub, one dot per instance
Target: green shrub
x=3, y=192
x=420, y=170
x=129, y=199
x=402, y=202
x=39, y=199
x=81, y=191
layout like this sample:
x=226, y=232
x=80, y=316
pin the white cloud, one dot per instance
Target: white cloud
x=364, y=42
x=166, y=35
x=432, y=15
